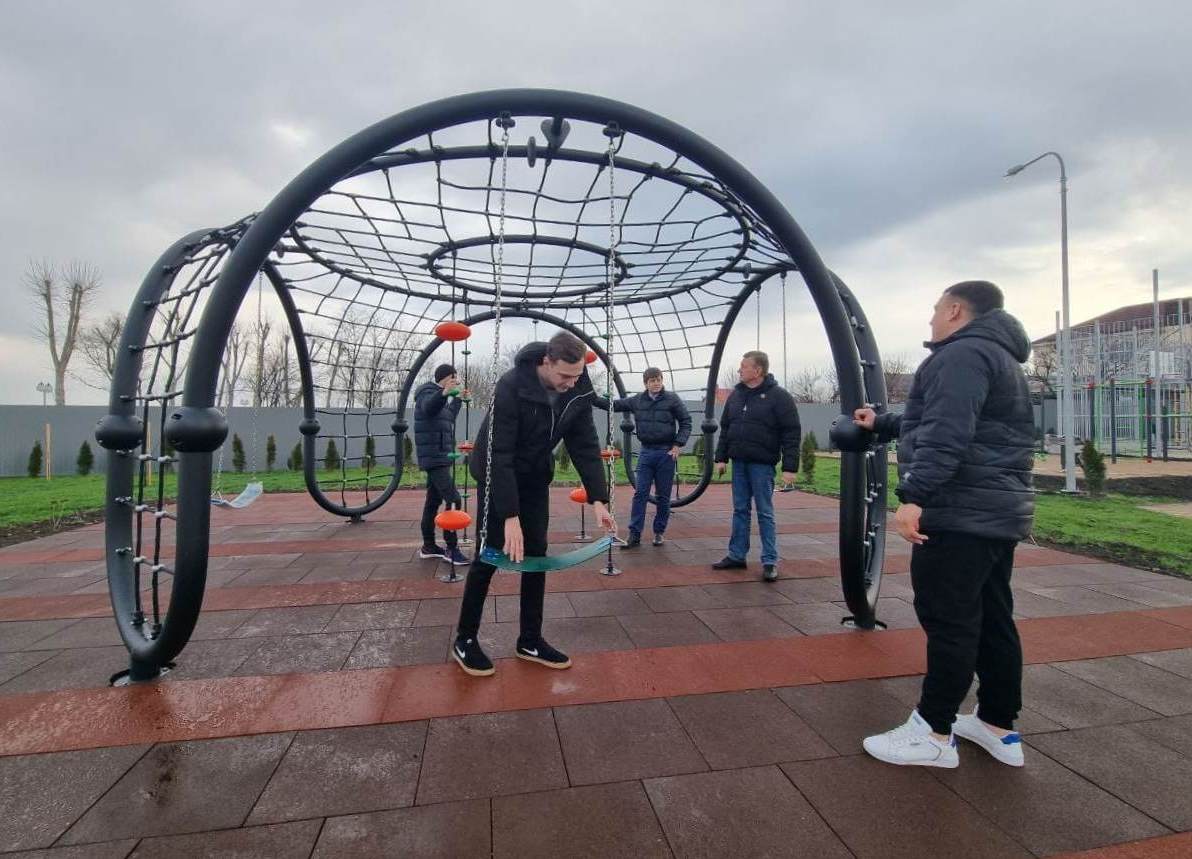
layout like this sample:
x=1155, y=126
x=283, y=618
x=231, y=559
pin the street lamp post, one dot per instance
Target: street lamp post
x=44, y=388
x=1069, y=418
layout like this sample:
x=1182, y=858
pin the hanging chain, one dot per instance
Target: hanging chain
x=785, y=374
x=609, y=270
x=505, y=122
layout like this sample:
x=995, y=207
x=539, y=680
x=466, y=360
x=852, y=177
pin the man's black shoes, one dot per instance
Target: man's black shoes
x=728, y=562
x=769, y=573
x=657, y=539
x=543, y=654
x=432, y=551
x=635, y=540
x=473, y=660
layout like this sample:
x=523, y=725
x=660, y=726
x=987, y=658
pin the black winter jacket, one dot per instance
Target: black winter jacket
x=966, y=439
x=434, y=425
x=526, y=431
x=760, y=425
x=664, y=421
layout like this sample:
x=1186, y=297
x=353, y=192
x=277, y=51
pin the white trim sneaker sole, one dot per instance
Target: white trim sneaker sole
x=912, y=745
x=1007, y=749
x=475, y=672
x=526, y=656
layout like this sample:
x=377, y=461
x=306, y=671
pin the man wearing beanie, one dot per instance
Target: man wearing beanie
x=436, y=406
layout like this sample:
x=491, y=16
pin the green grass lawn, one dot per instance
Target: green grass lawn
x=1115, y=526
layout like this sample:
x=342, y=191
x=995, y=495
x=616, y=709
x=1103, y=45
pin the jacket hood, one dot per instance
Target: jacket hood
x=998, y=326
x=526, y=362
x=531, y=353
x=767, y=383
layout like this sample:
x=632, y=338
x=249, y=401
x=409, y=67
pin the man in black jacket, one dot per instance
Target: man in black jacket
x=546, y=398
x=759, y=426
x=435, y=410
x=663, y=426
x=964, y=463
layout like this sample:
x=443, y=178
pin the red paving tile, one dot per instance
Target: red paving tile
x=1178, y=846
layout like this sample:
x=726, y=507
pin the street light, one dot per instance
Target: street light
x=1066, y=345
x=44, y=388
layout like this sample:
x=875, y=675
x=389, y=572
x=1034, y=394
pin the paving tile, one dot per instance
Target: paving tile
x=598, y=821
x=1174, y=584
x=373, y=615
x=624, y=740
x=254, y=842
x=846, y=713
x=678, y=598
x=1073, y=703
x=498, y=640
x=907, y=689
x=1175, y=732
x=106, y=850
x=741, y=624
x=745, y=729
x=740, y=813
x=811, y=590
x=1145, y=594
x=89, y=632
x=254, y=576
x=669, y=629
x=220, y=624
x=1047, y=807
x=744, y=594
x=1030, y=604
x=1087, y=599
x=1176, y=661
x=508, y=607
x=817, y=618
x=586, y=634
x=894, y=613
x=300, y=654
x=355, y=573
x=607, y=603
x=287, y=621
x=445, y=612
x=41, y=795
x=470, y=757
x=15, y=664
x=80, y=668
x=344, y=771
x=21, y=634
x=202, y=659
x=887, y=812
x=1129, y=765
x=453, y=830
x=184, y=787
x=380, y=648
x=1153, y=688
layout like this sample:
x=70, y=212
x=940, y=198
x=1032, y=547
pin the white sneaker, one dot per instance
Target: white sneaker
x=1007, y=749
x=912, y=744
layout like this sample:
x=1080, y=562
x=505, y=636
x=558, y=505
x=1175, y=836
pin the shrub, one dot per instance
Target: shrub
x=563, y=458
x=1093, y=463
x=237, y=453
x=85, y=460
x=270, y=453
x=295, y=461
x=698, y=449
x=807, y=456
x=407, y=452
x=370, y=452
x=35, y=458
x=331, y=457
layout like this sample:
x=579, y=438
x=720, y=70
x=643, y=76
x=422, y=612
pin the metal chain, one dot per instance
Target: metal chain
x=506, y=123
x=609, y=270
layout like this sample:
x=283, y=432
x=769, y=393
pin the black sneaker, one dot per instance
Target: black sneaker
x=728, y=562
x=635, y=540
x=471, y=658
x=657, y=539
x=436, y=552
x=456, y=557
x=543, y=654
x=769, y=573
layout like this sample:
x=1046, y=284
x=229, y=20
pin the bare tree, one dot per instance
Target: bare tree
x=1042, y=369
x=805, y=385
x=232, y=363
x=259, y=338
x=898, y=371
x=63, y=296
x=728, y=377
x=100, y=345
x=832, y=382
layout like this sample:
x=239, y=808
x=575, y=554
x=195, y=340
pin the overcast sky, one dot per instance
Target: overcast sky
x=124, y=125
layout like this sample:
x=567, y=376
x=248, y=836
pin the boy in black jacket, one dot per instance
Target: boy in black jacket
x=663, y=427
x=435, y=411
x=759, y=426
x=546, y=398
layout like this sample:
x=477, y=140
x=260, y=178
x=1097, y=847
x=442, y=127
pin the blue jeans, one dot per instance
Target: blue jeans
x=753, y=481
x=654, y=466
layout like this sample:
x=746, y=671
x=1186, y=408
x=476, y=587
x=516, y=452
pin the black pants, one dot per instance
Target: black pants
x=964, y=603
x=534, y=502
x=440, y=488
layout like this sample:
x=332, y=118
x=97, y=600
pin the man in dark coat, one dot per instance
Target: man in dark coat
x=965, y=456
x=663, y=426
x=545, y=399
x=436, y=405
x=759, y=427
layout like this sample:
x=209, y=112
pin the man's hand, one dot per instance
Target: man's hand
x=604, y=518
x=515, y=543
x=906, y=520
x=788, y=477
x=865, y=417
x=674, y=452
x=448, y=382
x=720, y=467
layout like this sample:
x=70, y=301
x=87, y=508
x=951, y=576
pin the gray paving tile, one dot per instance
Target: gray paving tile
x=445, y=612
x=1073, y=703
x=1176, y=661
x=42, y=795
x=624, y=740
x=106, y=850
x=742, y=624
x=287, y=621
x=740, y=813
x=668, y=629
x=220, y=624
x=15, y=664
x=452, y=830
x=300, y=654
x=607, y=603
x=598, y=821
x=553, y=605
x=80, y=668
x=202, y=659
x=184, y=787
x=743, y=729
x=373, y=615
x=907, y=689
x=380, y=648
x=745, y=594
x=21, y=634
x=821, y=590
x=813, y=618
x=89, y=632
x=845, y=713
x=1153, y=688
x=1087, y=599
x=472, y=757
x=276, y=841
x=1144, y=593
x=681, y=598
x=1175, y=732
x=586, y=634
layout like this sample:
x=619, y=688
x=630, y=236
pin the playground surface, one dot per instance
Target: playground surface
x=315, y=712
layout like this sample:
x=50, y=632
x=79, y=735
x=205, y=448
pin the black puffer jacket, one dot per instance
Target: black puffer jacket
x=434, y=425
x=760, y=425
x=966, y=439
x=526, y=431
x=664, y=421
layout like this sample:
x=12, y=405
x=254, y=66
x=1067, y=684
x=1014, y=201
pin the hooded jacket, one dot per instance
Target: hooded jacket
x=760, y=425
x=434, y=425
x=661, y=421
x=966, y=438
x=526, y=430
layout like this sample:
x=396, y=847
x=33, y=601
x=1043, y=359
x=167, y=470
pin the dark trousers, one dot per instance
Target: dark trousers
x=654, y=468
x=964, y=603
x=534, y=503
x=440, y=488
